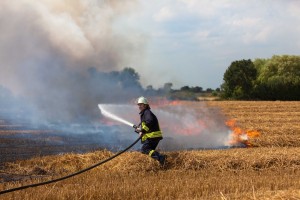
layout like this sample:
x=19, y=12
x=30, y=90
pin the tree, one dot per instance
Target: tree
x=185, y=88
x=238, y=80
x=259, y=64
x=123, y=84
x=129, y=78
x=150, y=91
x=279, y=78
x=197, y=89
x=209, y=90
x=149, y=87
x=168, y=87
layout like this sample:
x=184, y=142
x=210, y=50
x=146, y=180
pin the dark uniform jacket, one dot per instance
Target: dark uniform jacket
x=150, y=126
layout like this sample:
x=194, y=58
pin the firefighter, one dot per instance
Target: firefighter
x=149, y=130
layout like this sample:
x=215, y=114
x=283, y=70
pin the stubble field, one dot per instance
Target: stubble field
x=269, y=170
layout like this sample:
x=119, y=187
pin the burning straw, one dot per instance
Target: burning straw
x=239, y=136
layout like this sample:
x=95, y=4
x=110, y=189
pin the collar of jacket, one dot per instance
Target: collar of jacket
x=142, y=112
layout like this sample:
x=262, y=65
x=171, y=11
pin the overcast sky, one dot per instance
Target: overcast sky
x=185, y=42
x=192, y=42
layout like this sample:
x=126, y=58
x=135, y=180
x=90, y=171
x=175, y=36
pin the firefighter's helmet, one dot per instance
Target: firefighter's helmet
x=142, y=100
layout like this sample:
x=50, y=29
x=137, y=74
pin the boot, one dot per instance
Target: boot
x=162, y=160
x=155, y=155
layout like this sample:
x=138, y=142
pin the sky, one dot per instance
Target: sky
x=193, y=42
x=183, y=42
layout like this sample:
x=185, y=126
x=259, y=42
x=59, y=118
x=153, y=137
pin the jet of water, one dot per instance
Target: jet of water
x=112, y=116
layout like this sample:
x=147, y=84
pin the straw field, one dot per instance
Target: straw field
x=269, y=170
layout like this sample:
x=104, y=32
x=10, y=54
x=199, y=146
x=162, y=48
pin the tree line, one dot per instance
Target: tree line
x=128, y=81
x=277, y=78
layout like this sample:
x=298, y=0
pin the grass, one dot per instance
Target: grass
x=271, y=170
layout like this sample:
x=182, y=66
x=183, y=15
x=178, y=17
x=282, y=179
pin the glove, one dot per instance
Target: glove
x=137, y=129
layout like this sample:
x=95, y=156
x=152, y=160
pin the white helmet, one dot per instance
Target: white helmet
x=142, y=100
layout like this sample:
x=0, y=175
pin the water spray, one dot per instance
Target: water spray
x=114, y=117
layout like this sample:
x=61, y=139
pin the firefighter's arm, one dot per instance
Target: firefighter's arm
x=147, y=123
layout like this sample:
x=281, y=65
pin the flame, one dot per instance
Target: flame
x=239, y=136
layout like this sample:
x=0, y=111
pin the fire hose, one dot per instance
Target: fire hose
x=105, y=113
x=71, y=175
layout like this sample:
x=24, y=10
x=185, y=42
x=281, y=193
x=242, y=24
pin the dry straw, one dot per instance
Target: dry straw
x=270, y=170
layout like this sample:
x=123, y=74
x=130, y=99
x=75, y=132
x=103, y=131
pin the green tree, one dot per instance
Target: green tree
x=238, y=80
x=279, y=78
x=259, y=64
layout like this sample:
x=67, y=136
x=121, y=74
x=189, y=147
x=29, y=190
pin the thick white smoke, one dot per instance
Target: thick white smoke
x=80, y=32
x=47, y=47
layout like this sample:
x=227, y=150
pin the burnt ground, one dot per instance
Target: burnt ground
x=20, y=140
x=28, y=143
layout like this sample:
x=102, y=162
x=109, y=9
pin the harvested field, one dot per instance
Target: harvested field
x=269, y=170
x=277, y=121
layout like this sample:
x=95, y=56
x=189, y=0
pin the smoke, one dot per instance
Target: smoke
x=48, y=48
x=183, y=127
x=60, y=59
x=186, y=128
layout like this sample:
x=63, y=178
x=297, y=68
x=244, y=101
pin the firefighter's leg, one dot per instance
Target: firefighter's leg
x=157, y=156
x=149, y=148
x=154, y=154
x=146, y=148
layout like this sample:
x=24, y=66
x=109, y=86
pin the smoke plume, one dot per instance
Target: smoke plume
x=47, y=48
x=60, y=59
